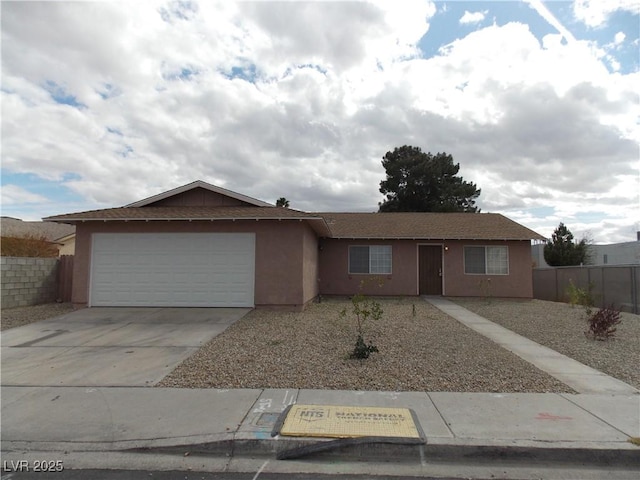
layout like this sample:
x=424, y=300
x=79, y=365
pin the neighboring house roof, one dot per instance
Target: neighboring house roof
x=431, y=226
x=66, y=238
x=200, y=184
x=14, y=227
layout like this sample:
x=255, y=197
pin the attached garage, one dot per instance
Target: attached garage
x=172, y=269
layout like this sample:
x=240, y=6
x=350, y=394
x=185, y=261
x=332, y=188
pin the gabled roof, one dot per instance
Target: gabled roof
x=199, y=184
x=199, y=213
x=427, y=226
x=402, y=225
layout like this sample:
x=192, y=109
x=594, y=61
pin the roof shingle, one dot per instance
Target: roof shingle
x=418, y=225
x=182, y=213
x=423, y=225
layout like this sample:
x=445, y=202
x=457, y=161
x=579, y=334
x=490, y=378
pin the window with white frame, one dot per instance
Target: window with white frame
x=486, y=260
x=374, y=259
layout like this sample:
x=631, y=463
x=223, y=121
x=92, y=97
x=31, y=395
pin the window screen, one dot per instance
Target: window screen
x=474, y=261
x=358, y=259
x=370, y=259
x=486, y=260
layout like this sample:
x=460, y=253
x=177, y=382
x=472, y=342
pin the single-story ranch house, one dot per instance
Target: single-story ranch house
x=200, y=245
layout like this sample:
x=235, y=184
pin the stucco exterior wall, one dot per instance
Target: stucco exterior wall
x=336, y=280
x=68, y=247
x=517, y=284
x=293, y=266
x=310, y=267
x=278, y=256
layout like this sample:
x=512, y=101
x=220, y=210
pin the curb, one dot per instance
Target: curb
x=596, y=454
x=434, y=451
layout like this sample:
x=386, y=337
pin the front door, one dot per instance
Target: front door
x=430, y=269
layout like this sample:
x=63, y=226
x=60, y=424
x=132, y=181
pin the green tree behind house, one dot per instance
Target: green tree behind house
x=562, y=250
x=423, y=182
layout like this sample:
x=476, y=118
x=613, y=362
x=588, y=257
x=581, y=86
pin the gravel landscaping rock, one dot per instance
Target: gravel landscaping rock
x=426, y=352
x=16, y=317
x=561, y=328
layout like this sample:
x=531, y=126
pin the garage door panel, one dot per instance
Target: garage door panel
x=195, y=269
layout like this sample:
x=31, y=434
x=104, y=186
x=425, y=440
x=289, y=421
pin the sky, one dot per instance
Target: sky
x=105, y=103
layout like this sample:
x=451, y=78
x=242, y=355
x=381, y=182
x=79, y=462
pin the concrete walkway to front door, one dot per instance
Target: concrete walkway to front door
x=576, y=375
x=109, y=346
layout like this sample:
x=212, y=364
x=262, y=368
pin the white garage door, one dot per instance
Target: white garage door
x=173, y=269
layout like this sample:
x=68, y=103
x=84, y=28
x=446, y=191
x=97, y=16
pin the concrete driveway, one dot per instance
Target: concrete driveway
x=109, y=346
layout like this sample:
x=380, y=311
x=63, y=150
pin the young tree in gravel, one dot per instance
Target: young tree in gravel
x=422, y=182
x=562, y=250
x=363, y=309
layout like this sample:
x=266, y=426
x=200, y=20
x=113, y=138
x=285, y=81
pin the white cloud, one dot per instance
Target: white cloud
x=595, y=13
x=334, y=87
x=473, y=17
x=13, y=195
x=619, y=38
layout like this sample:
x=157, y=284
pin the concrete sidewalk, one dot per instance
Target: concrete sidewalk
x=591, y=429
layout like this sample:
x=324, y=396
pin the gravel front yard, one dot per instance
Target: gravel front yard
x=16, y=317
x=426, y=352
x=561, y=328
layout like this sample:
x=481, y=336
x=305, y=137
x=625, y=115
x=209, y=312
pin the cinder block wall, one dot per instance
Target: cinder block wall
x=28, y=281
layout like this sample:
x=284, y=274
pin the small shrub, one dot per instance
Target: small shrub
x=486, y=289
x=602, y=324
x=362, y=350
x=28, y=246
x=581, y=296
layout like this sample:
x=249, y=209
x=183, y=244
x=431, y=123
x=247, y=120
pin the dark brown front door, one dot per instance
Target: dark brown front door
x=430, y=269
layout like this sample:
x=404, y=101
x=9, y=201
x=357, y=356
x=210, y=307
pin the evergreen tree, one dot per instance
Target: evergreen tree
x=562, y=250
x=422, y=182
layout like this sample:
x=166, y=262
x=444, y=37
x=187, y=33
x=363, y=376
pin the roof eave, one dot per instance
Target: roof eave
x=321, y=226
x=368, y=237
